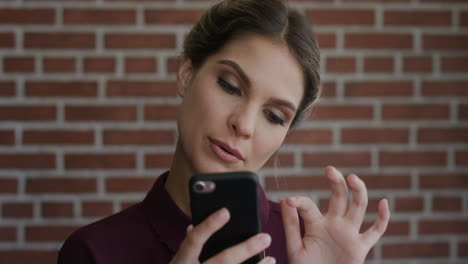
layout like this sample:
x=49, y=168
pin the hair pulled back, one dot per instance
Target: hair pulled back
x=270, y=18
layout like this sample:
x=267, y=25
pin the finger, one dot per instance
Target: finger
x=307, y=210
x=242, y=251
x=357, y=209
x=372, y=235
x=339, y=198
x=268, y=260
x=291, y=227
x=197, y=236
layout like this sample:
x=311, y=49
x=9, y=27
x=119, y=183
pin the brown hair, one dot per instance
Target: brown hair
x=271, y=18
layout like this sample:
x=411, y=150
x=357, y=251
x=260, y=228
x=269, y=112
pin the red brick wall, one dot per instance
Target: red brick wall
x=87, y=105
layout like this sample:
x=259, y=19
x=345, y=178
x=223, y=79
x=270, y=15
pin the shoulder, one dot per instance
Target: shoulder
x=103, y=236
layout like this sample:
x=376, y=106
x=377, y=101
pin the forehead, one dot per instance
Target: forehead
x=269, y=65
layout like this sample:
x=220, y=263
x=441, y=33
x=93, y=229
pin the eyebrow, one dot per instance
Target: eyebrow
x=244, y=77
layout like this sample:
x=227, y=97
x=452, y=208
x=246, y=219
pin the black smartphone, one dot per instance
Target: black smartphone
x=238, y=192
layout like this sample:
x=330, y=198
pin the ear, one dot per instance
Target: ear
x=184, y=75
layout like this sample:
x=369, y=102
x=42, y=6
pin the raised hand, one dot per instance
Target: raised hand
x=196, y=237
x=333, y=238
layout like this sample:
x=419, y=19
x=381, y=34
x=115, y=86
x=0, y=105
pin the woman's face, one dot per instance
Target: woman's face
x=238, y=106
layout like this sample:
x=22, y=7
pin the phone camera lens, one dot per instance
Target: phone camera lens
x=199, y=186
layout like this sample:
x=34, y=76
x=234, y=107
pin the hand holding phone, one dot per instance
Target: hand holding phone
x=238, y=193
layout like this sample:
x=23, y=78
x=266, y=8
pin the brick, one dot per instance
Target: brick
x=8, y=185
x=281, y=160
x=139, y=137
x=417, y=18
x=415, y=250
x=100, y=161
x=17, y=210
x=58, y=137
x=409, y=204
x=27, y=113
x=18, y=64
x=97, y=208
x=100, y=113
x=23, y=16
x=463, y=249
x=295, y=183
x=415, y=112
x=442, y=135
x=140, y=65
x=141, y=88
x=25, y=256
x=446, y=204
x=7, y=88
x=161, y=112
x=464, y=18
x=59, y=65
x=340, y=64
x=94, y=16
x=7, y=40
x=127, y=204
x=172, y=64
x=463, y=111
x=27, y=161
x=461, y=158
x=443, y=181
x=48, y=233
x=417, y=64
x=378, y=64
x=328, y=89
x=444, y=42
x=61, y=88
x=57, y=209
x=99, y=65
x=312, y=182
x=340, y=159
x=158, y=161
x=309, y=136
x=379, y=88
x=129, y=184
x=443, y=1
x=374, y=135
x=7, y=234
x=326, y=40
x=432, y=227
x=59, y=40
x=342, y=112
x=445, y=88
x=7, y=137
x=172, y=16
x=341, y=17
x=61, y=185
x=139, y=41
x=378, y=41
x=454, y=64
x=413, y=158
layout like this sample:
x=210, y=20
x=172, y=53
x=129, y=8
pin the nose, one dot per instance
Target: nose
x=242, y=121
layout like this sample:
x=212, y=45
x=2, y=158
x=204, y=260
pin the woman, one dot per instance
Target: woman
x=249, y=74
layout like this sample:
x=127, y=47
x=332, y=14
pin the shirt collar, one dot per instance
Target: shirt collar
x=170, y=223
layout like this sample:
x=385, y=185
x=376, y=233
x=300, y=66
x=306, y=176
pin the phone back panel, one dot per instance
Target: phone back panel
x=238, y=192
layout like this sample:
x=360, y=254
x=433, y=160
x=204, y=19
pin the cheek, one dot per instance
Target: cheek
x=267, y=142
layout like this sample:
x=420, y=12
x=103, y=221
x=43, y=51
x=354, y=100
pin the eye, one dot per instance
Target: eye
x=274, y=118
x=229, y=88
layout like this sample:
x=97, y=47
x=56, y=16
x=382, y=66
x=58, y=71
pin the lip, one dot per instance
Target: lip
x=225, y=152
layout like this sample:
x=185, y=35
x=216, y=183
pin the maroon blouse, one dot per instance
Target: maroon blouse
x=151, y=232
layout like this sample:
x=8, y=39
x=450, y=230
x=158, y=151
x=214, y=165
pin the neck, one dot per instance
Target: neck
x=178, y=180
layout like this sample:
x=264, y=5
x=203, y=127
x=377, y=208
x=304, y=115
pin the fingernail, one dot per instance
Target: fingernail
x=270, y=260
x=264, y=240
x=223, y=214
